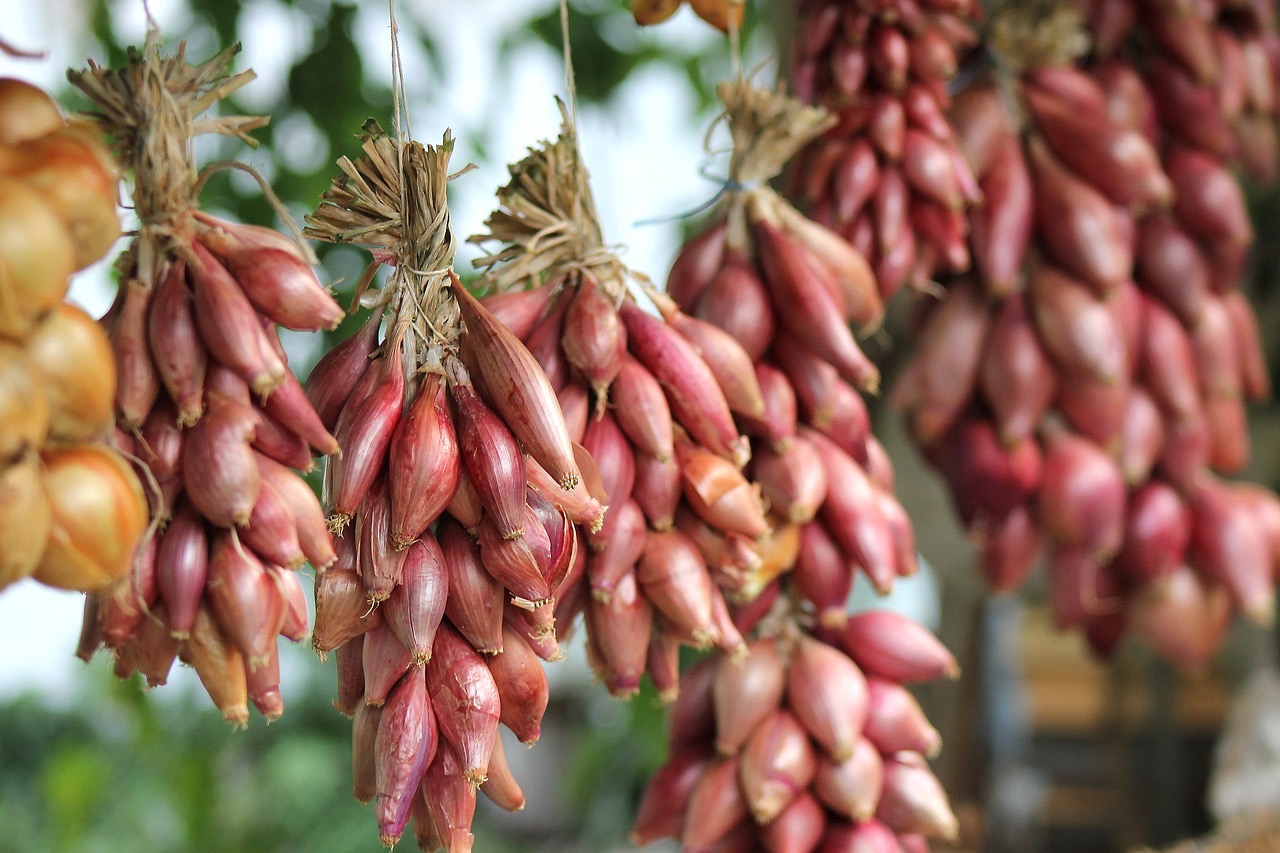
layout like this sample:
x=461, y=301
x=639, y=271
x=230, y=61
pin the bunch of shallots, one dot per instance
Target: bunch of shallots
x=786, y=288
x=207, y=408
x=653, y=400
x=72, y=509
x=807, y=749
x=455, y=496
x=1085, y=400
x=888, y=176
x=805, y=744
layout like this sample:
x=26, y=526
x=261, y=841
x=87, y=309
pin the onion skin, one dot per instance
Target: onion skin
x=74, y=175
x=822, y=576
x=423, y=463
x=657, y=489
x=179, y=354
x=522, y=687
x=745, y=692
x=913, y=800
x=27, y=112
x=182, y=568
x=25, y=518
x=736, y=301
x=149, y=649
x=731, y=365
x=852, y=514
x=342, y=610
x=384, y=660
x=896, y=722
x=24, y=406
x=246, y=601
x=137, y=382
x=334, y=378
x=416, y=605
x=99, y=514
x=380, y=564
x=814, y=315
x=364, y=431
x=272, y=531
x=219, y=467
x=229, y=325
x=1157, y=533
x=828, y=694
x=35, y=259
x=1082, y=497
x=674, y=577
x=466, y=701
x=797, y=827
x=450, y=800
x=714, y=806
x=776, y=763
x=1077, y=330
x=501, y=787
x=297, y=623
x=605, y=567
x=1001, y=227
x=608, y=446
x=404, y=747
x=279, y=283
x=642, y=411
x=595, y=341
x=364, y=731
x=867, y=836
x=666, y=794
x=350, y=662
x=492, y=460
x=219, y=665
x=520, y=310
x=513, y=564
x=518, y=389
x=1016, y=377
x=696, y=400
x=289, y=405
x=699, y=261
x=890, y=646
x=618, y=634
x=851, y=787
x=474, y=603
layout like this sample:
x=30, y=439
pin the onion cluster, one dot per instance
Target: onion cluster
x=454, y=498
x=888, y=176
x=805, y=744
x=73, y=510
x=206, y=406
x=1086, y=387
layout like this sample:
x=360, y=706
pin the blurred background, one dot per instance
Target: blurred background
x=1046, y=748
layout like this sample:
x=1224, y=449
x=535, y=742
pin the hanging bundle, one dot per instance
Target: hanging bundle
x=453, y=499
x=205, y=402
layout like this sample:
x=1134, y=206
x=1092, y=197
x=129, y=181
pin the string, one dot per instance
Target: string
x=735, y=40
x=569, y=82
x=727, y=185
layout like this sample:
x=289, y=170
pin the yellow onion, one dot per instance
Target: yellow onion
x=36, y=257
x=26, y=112
x=75, y=175
x=24, y=519
x=72, y=353
x=24, y=408
x=99, y=513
